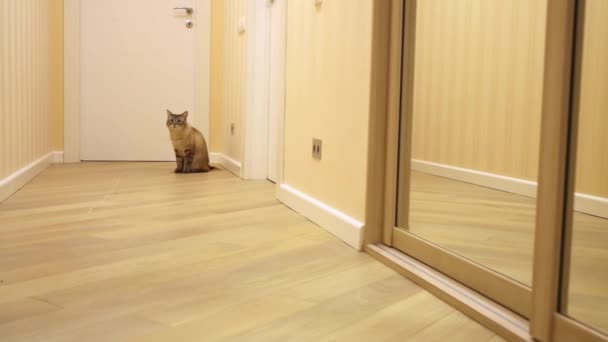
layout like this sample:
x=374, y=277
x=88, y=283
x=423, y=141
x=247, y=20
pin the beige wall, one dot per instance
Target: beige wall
x=328, y=95
x=56, y=101
x=217, y=67
x=233, y=79
x=592, y=169
x=478, y=84
x=29, y=101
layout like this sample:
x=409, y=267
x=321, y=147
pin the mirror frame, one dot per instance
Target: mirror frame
x=556, y=172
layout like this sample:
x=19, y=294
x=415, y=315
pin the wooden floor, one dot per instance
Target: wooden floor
x=133, y=252
x=496, y=229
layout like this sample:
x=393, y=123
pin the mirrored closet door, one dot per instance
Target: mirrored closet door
x=497, y=161
x=585, y=265
x=469, y=142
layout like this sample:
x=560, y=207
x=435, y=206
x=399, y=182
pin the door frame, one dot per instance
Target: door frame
x=556, y=176
x=486, y=281
x=72, y=64
x=261, y=87
x=277, y=87
x=255, y=140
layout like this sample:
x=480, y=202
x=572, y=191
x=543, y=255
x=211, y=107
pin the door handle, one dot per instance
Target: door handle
x=188, y=10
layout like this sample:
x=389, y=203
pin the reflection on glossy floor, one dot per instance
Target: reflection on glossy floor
x=496, y=229
x=588, y=287
x=128, y=251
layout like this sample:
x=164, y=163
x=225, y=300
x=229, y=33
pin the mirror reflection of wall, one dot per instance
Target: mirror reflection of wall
x=476, y=130
x=586, y=295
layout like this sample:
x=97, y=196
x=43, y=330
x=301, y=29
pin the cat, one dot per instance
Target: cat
x=189, y=144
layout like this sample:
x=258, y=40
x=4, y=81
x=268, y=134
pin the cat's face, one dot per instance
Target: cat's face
x=177, y=121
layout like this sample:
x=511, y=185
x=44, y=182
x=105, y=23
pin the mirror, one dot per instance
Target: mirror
x=585, y=296
x=475, y=124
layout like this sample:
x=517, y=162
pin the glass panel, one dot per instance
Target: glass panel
x=587, y=287
x=476, y=130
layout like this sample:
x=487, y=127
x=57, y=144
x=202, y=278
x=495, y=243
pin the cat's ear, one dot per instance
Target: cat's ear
x=169, y=113
x=185, y=114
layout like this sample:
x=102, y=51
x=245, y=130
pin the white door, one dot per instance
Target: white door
x=138, y=59
x=278, y=40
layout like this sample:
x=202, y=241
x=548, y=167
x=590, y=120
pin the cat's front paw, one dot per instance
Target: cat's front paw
x=178, y=171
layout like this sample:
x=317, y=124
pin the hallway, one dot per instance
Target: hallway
x=131, y=251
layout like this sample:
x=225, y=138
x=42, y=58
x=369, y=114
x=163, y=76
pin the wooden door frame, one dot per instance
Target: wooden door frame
x=555, y=175
x=72, y=64
x=483, y=280
x=561, y=98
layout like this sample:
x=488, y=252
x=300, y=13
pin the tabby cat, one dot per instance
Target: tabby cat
x=189, y=144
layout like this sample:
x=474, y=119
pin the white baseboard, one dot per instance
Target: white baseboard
x=57, y=157
x=592, y=205
x=14, y=182
x=335, y=222
x=489, y=180
x=226, y=162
